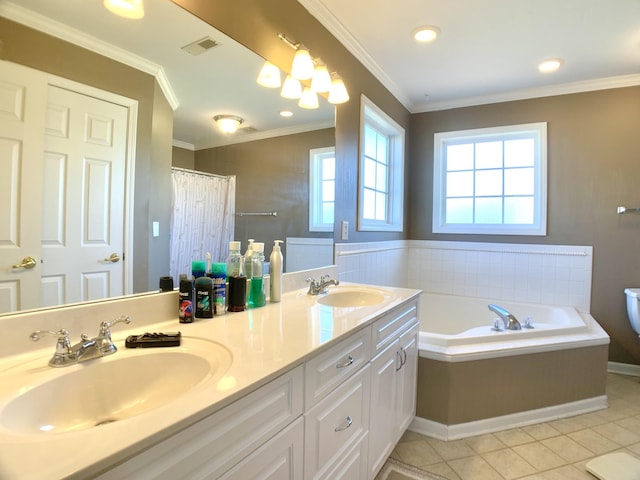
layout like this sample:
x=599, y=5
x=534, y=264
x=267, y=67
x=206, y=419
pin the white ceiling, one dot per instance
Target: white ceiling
x=489, y=49
x=219, y=81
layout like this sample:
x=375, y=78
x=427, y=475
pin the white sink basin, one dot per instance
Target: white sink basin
x=356, y=297
x=104, y=390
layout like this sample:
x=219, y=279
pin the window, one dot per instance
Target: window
x=491, y=180
x=381, y=173
x=322, y=187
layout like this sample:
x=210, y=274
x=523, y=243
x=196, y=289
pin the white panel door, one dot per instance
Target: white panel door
x=83, y=200
x=23, y=92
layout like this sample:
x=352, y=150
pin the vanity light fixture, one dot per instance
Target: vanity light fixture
x=125, y=8
x=338, y=92
x=425, y=33
x=228, y=123
x=269, y=76
x=302, y=67
x=550, y=65
x=309, y=99
x=321, y=80
x=291, y=88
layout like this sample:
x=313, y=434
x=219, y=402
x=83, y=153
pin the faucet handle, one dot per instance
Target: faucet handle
x=105, y=327
x=64, y=355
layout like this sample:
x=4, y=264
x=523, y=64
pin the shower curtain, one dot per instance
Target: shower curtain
x=202, y=218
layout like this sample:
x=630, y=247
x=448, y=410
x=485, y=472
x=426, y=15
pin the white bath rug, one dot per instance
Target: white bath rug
x=615, y=466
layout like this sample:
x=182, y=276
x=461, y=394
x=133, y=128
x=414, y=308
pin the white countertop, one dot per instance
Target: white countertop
x=263, y=342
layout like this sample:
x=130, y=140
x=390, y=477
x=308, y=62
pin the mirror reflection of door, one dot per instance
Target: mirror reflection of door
x=67, y=160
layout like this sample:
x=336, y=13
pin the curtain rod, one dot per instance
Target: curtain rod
x=198, y=172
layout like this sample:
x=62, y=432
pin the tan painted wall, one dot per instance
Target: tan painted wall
x=271, y=175
x=153, y=143
x=183, y=158
x=593, y=166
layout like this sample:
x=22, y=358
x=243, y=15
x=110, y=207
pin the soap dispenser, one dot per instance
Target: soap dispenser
x=247, y=258
x=275, y=284
x=257, y=297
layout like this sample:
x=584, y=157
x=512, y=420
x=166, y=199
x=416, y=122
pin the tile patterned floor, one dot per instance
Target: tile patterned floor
x=556, y=450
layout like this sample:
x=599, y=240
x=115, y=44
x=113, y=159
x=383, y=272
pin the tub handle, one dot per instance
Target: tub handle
x=347, y=363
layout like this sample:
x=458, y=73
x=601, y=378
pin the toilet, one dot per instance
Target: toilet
x=633, y=308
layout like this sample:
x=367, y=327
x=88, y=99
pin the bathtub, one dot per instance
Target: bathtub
x=474, y=380
x=454, y=328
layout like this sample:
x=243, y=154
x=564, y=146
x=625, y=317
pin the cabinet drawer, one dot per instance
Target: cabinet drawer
x=335, y=425
x=390, y=326
x=215, y=444
x=326, y=371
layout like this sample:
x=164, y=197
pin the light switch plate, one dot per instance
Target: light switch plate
x=156, y=229
x=345, y=230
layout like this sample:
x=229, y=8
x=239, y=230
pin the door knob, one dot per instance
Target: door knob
x=27, y=262
x=113, y=258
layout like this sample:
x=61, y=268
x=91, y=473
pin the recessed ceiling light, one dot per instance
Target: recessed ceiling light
x=425, y=33
x=286, y=113
x=550, y=65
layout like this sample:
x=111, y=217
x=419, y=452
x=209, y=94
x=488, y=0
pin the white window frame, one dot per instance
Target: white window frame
x=316, y=200
x=538, y=131
x=371, y=114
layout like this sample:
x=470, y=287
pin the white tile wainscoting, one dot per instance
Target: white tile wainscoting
x=549, y=274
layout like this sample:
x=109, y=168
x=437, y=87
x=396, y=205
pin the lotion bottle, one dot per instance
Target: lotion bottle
x=257, y=297
x=247, y=258
x=275, y=284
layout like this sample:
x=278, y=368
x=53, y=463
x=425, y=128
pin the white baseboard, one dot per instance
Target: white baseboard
x=624, y=368
x=520, y=419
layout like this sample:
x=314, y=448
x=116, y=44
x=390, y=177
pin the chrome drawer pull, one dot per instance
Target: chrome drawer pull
x=347, y=363
x=349, y=422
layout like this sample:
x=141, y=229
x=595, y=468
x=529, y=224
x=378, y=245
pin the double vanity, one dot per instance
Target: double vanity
x=311, y=387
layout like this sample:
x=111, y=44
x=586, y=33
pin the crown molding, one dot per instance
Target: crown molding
x=317, y=9
x=606, y=83
x=51, y=27
x=183, y=145
x=240, y=137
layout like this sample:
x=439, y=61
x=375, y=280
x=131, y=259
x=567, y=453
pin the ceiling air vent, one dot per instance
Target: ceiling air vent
x=200, y=46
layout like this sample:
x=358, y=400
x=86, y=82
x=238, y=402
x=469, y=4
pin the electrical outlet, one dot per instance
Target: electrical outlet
x=345, y=230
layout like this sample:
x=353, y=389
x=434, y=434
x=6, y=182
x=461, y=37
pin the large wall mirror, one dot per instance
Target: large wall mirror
x=269, y=155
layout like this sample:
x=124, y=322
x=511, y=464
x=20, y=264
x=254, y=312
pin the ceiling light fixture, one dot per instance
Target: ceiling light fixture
x=125, y=8
x=550, y=65
x=286, y=113
x=269, y=76
x=228, y=123
x=425, y=33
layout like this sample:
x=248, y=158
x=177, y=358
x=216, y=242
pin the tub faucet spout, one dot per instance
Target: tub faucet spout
x=510, y=321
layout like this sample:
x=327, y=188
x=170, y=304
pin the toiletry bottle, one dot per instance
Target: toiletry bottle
x=257, y=297
x=247, y=258
x=185, y=300
x=207, y=262
x=204, y=297
x=198, y=268
x=219, y=276
x=234, y=260
x=275, y=268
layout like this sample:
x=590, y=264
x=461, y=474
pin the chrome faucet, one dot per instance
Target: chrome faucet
x=84, y=350
x=510, y=321
x=316, y=288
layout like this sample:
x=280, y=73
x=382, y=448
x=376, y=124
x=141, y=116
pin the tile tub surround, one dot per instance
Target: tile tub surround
x=550, y=274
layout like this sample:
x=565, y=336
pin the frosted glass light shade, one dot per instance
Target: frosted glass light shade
x=227, y=123
x=125, y=8
x=309, y=99
x=269, y=76
x=321, y=81
x=338, y=92
x=302, y=66
x=291, y=88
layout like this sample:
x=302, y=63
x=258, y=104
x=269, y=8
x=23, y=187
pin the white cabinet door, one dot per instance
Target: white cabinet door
x=384, y=406
x=281, y=458
x=407, y=379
